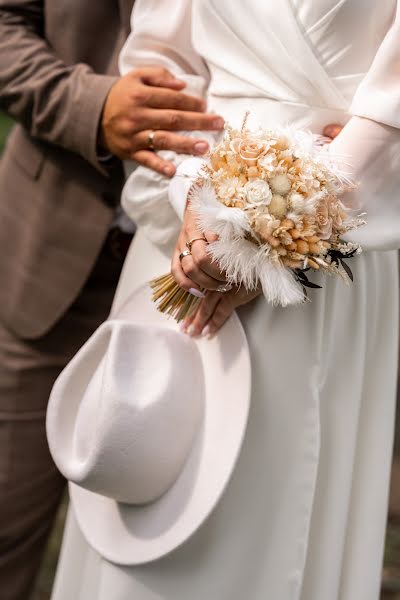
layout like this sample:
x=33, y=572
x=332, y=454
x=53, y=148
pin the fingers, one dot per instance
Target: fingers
x=164, y=98
x=332, y=130
x=200, y=266
x=167, y=140
x=221, y=314
x=210, y=236
x=179, y=275
x=158, y=77
x=216, y=309
x=187, y=273
x=175, y=120
x=151, y=160
x=195, y=326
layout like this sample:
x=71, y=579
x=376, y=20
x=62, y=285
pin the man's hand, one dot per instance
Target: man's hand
x=332, y=130
x=151, y=99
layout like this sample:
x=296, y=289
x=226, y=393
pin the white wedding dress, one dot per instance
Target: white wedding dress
x=303, y=517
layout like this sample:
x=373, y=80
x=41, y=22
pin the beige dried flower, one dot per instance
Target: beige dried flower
x=250, y=149
x=323, y=220
x=280, y=184
x=277, y=206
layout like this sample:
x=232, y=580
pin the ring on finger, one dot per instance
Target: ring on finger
x=183, y=254
x=226, y=287
x=150, y=140
x=190, y=243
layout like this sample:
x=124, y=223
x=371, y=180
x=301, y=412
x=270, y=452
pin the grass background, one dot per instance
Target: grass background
x=391, y=587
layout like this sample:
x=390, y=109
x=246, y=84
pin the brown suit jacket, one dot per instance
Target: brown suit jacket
x=58, y=60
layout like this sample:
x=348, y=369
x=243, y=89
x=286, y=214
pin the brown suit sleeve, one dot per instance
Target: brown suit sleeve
x=56, y=103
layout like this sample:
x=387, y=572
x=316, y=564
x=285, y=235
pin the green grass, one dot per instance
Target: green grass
x=5, y=126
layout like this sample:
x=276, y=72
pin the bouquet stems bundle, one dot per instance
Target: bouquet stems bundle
x=172, y=300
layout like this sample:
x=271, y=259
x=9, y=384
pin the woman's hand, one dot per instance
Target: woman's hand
x=215, y=309
x=197, y=270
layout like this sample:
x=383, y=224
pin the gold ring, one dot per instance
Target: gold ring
x=183, y=254
x=190, y=243
x=150, y=140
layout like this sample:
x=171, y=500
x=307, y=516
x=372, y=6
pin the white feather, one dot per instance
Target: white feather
x=279, y=285
x=248, y=264
x=238, y=258
x=228, y=223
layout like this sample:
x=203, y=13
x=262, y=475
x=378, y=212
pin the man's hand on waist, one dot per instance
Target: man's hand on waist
x=151, y=100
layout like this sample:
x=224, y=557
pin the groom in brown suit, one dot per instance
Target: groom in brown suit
x=62, y=240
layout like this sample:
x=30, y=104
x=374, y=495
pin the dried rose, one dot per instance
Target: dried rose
x=258, y=193
x=250, y=149
x=323, y=220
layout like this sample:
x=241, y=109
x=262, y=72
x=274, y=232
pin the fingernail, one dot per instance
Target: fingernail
x=206, y=331
x=169, y=171
x=182, y=327
x=218, y=123
x=196, y=293
x=200, y=147
x=191, y=331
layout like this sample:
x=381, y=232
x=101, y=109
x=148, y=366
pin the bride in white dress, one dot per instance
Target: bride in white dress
x=303, y=517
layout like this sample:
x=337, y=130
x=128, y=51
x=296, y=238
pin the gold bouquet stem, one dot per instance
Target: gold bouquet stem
x=171, y=299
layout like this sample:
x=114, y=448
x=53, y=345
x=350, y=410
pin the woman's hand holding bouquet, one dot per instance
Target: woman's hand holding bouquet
x=272, y=202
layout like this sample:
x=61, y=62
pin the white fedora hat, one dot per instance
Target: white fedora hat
x=147, y=425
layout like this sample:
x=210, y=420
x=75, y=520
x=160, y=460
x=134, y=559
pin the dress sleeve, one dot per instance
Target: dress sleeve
x=369, y=147
x=161, y=35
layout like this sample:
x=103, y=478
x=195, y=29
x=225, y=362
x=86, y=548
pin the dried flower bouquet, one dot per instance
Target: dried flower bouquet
x=274, y=200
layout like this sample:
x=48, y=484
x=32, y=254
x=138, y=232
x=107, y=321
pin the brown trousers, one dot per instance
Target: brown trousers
x=30, y=485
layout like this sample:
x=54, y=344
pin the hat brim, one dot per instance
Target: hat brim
x=133, y=535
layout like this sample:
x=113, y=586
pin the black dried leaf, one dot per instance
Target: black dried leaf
x=347, y=269
x=301, y=275
x=305, y=282
x=310, y=284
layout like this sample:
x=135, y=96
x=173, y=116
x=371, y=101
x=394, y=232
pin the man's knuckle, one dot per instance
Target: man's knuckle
x=174, y=120
x=136, y=93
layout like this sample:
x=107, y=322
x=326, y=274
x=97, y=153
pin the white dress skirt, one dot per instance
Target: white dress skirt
x=303, y=517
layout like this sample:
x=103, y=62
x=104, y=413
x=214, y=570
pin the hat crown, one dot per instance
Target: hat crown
x=137, y=418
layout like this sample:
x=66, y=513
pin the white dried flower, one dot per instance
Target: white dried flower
x=258, y=193
x=296, y=202
x=230, y=187
x=268, y=162
x=281, y=184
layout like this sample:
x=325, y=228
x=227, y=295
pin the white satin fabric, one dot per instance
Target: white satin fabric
x=303, y=517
